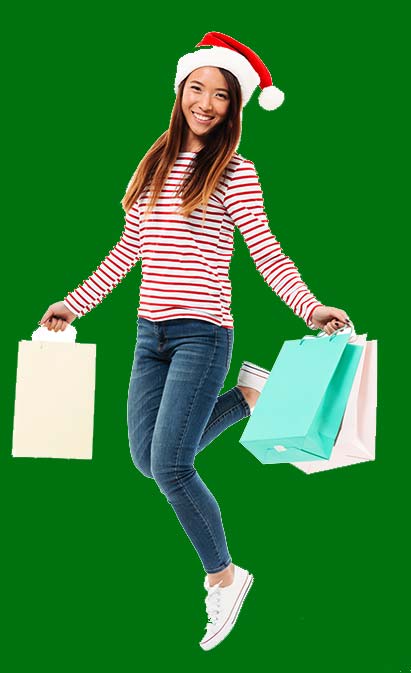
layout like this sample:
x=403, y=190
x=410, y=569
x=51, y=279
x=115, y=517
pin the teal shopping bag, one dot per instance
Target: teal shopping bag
x=300, y=410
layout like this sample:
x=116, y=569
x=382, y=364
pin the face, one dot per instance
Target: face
x=205, y=94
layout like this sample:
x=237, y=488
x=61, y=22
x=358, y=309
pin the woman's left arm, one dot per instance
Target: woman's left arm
x=244, y=202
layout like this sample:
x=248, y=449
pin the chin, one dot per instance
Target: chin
x=197, y=133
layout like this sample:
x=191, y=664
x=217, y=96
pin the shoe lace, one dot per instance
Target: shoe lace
x=212, y=602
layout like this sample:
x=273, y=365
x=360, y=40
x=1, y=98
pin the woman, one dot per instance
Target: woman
x=182, y=204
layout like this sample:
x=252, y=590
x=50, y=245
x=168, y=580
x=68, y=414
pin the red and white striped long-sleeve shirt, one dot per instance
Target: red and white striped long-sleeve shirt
x=185, y=266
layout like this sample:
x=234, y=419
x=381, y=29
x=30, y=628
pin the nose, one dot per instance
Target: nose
x=205, y=103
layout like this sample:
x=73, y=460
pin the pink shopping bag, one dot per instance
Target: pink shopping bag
x=355, y=441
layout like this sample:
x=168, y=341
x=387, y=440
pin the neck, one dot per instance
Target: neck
x=187, y=148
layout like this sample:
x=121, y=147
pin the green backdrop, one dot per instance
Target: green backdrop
x=96, y=571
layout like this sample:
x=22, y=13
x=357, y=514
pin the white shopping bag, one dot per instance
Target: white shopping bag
x=54, y=406
x=355, y=442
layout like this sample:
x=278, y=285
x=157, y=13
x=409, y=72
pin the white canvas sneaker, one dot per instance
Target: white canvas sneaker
x=223, y=605
x=252, y=376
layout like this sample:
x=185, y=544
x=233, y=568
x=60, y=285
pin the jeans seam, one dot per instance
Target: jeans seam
x=220, y=569
x=224, y=414
x=228, y=349
x=243, y=401
x=201, y=515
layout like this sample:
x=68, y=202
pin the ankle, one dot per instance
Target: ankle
x=226, y=577
x=251, y=395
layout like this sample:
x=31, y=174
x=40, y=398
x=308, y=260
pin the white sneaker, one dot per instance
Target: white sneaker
x=223, y=605
x=252, y=376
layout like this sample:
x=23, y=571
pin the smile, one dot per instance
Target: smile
x=202, y=119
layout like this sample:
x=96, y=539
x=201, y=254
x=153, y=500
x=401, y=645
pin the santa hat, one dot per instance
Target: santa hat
x=234, y=56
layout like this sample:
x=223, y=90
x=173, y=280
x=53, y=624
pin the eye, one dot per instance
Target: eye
x=193, y=86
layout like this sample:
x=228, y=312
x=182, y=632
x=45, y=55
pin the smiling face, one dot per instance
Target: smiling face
x=204, y=103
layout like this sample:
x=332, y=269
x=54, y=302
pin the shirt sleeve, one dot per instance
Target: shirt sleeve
x=244, y=203
x=112, y=269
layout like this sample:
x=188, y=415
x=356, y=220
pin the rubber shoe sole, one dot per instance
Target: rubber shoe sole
x=252, y=376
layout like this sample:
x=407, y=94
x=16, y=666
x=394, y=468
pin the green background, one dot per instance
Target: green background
x=96, y=571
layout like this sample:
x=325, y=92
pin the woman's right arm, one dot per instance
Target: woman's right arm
x=105, y=278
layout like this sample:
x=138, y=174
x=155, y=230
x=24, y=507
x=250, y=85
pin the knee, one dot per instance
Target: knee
x=142, y=464
x=170, y=479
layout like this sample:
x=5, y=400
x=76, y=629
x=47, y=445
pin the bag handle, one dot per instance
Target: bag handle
x=340, y=330
x=44, y=334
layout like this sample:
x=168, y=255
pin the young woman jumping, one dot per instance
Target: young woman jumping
x=185, y=199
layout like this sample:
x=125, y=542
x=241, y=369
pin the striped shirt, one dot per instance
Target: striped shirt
x=185, y=266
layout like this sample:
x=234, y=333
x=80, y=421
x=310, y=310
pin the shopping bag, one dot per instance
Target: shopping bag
x=355, y=441
x=54, y=405
x=299, y=412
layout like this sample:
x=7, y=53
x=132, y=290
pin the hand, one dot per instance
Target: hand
x=328, y=318
x=57, y=317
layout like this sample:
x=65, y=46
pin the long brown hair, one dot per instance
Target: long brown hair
x=209, y=163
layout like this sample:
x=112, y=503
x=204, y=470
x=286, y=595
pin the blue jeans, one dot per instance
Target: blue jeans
x=174, y=411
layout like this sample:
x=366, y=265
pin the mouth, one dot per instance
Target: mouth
x=202, y=119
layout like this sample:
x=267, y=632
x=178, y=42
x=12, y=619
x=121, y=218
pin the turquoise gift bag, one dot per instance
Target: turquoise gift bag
x=300, y=410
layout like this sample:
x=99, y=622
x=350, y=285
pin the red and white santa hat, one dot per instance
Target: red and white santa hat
x=242, y=61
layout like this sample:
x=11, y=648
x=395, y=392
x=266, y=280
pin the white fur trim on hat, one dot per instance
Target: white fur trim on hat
x=223, y=58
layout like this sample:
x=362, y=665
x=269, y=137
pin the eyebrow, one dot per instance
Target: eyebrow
x=218, y=88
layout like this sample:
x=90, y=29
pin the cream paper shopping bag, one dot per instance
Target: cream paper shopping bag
x=54, y=406
x=355, y=441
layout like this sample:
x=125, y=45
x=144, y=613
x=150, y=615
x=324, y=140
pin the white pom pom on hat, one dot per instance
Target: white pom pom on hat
x=270, y=98
x=239, y=59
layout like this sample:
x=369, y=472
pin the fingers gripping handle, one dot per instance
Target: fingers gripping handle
x=341, y=330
